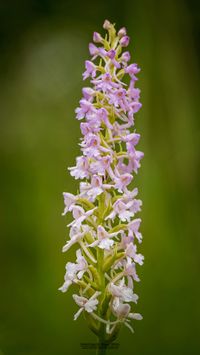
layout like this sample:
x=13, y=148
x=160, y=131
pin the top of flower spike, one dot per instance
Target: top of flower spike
x=106, y=69
x=111, y=53
x=109, y=106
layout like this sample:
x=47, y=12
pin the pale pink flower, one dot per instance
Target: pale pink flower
x=131, y=251
x=89, y=305
x=76, y=235
x=80, y=171
x=133, y=227
x=69, y=200
x=90, y=70
x=124, y=293
x=104, y=240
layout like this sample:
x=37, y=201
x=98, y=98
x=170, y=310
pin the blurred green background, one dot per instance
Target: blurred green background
x=43, y=46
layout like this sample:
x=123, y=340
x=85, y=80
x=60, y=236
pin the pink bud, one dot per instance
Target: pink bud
x=124, y=41
x=125, y=57
x=87, y=92
x=122, y=32
x=107, y=25
x=93, y=49
x=97, y=37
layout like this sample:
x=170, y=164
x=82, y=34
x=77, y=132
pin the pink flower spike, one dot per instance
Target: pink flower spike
x=103, y=230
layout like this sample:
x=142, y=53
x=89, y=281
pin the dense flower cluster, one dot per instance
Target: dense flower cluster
x=104, y=227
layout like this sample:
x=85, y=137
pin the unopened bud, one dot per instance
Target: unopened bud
x=97, y=37
x=122, y=32
x=107, y=25
x=124, y=41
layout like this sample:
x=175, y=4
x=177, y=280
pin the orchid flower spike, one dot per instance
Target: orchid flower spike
x=104, y=227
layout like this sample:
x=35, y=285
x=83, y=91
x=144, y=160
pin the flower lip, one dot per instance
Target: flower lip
x=111, y=53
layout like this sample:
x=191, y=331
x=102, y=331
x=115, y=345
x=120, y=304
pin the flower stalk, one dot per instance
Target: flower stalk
x=104, y=227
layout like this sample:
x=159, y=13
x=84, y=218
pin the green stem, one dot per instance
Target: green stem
x=102, y=342
x=101, y=350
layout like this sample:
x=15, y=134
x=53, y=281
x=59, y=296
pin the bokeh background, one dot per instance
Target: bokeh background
x=43, y=45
